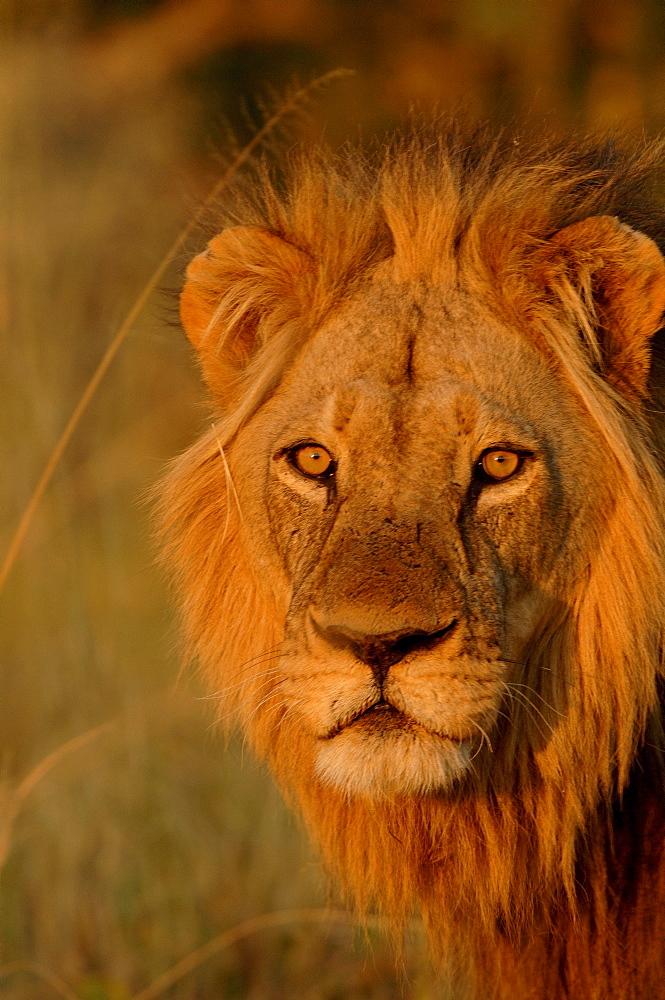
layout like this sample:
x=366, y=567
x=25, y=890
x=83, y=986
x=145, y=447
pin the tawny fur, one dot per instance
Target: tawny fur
x=538, y=865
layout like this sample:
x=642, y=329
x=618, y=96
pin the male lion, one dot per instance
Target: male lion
x=421, y=549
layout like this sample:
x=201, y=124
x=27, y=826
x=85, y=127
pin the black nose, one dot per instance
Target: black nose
x=380, y=652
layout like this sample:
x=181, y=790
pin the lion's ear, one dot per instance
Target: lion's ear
x=245, y=286
x=619, y=274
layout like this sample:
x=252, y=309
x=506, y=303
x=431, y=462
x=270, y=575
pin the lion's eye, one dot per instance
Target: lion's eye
x=500, y=464
x=312, y=460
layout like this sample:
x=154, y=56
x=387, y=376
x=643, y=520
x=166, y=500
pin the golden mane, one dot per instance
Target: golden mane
x=534, y=842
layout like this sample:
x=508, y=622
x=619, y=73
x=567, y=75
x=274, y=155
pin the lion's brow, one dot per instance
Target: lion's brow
x=466, y=411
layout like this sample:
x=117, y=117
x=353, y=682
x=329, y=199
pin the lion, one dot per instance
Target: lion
x=421, y=548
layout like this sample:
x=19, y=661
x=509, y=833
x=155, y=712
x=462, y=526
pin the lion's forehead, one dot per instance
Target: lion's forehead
x=396, y=337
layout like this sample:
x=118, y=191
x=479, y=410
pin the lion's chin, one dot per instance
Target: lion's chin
x=390, y=758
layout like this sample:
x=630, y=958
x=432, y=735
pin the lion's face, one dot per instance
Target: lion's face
x=412, y=577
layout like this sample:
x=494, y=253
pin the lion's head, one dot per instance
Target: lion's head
x=420, y=548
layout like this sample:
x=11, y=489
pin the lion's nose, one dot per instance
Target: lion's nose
x=380, y=652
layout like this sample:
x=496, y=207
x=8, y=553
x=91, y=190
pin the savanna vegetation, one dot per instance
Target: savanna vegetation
x=131, y=834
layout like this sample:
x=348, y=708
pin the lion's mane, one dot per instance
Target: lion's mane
x=555, y=853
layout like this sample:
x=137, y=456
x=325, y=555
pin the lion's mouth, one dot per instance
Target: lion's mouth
x=380, y=750
x=381, y=716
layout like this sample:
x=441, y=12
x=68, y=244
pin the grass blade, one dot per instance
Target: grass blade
x=227, y=938
x=291, y=105
x=33, y=969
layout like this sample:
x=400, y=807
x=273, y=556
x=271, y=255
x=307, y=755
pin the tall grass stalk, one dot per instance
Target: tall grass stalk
x=292, y=104
x=46, y=976
x=227, y=938
x=200, y=955
x=15, y=799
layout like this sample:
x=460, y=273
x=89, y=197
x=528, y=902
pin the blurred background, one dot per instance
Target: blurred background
x=130, y=832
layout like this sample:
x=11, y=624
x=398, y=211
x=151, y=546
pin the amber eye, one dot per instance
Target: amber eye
x=312, y=460
x=500, y=464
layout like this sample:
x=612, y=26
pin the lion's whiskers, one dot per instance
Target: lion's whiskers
x=515, y=684
x=484, y=738
x=245, y=681
x=273, y=694
x=529, y=706
x=290, y=715
x=237, y=709
x=550, y=670
x=247, y=664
